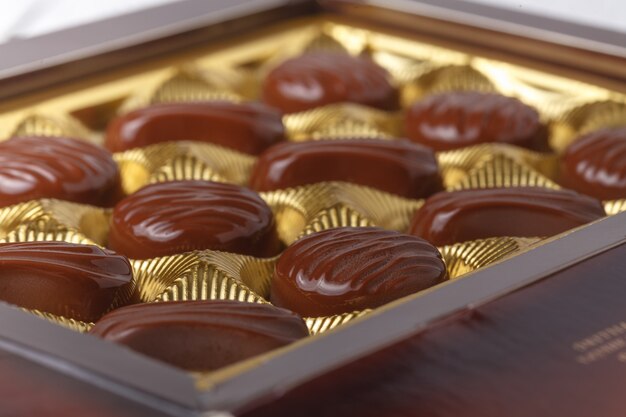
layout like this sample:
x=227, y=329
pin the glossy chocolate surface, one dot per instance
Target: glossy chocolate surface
x=595, y=164
x=458, y=119
x=245, y=127
x=201, y=335
x=181, y=216
x=56, y=167
x=320, y=78
x=460, y=216
x=66, y=279
x=353, y=268
x=556, y=348
x=398, y=167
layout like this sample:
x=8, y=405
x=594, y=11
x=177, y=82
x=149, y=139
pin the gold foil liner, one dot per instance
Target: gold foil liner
x=502, y=171
x=343, y=120
x=76, y=325
x=37, y=124
x=54, y=216
x=451, y=78
x=203, y=275
x=614, y=206
x=462, y=258
x=191, y=84
x=182, y=161
x=311, y=208
x=586, y=118
x=318, y=325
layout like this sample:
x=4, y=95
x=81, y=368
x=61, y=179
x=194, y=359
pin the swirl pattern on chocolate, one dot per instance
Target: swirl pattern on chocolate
x=458, y=119
x=460, y=216
x=321, y=78
x=181, y=216
x=353, y=268
x=56, y=167
x=398, y=167
x=248, y=127
x=215, y=333
x=595, y=164
x=66, y=279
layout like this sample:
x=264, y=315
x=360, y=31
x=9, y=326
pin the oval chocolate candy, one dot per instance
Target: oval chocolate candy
x=398, y=167
x=321, y=78
x=595, y=164
x=460, y=216
x=353, y=268
x=181, y=216
x=458, y=119
x=76, y=281
x=246, y=127
x=201, y=336
x=55, y=167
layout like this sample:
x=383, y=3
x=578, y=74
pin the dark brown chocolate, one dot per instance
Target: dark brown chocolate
x=595, y=164
x=321, y=78
x=201, y=335
x=70, y=280
x=247, y=127
x=353, y=268
x=398, y=167
x=181, y=216
x=56, y=167
x=460, y=216
x=458, y=119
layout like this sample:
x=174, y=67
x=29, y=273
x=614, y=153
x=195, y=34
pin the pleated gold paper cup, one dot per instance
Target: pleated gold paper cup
x=37, y=124
x=614, y=206
x=342, y=120
x=182, y=160
x=203, y=275
x=310, y=208
x=586, y=118
x=192, y=84
x=452, y=78
x=55, y=216
x=466, y=257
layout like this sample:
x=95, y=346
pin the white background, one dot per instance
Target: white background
x=25, y=18
x=608, y=14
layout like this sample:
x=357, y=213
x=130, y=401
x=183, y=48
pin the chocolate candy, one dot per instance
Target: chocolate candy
x=181, y=216
x=454, y=120
x=460, y=216
x=76, y=281
x=353, y=268
x=321, y=78
x=595, y=164
x=247, y=128
x=201, y=335
x=398, y=167
x=55, y=167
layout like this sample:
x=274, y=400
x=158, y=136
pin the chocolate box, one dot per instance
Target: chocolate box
x=418, y=341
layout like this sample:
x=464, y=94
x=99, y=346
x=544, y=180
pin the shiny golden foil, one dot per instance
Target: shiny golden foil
x=53, y=125
x=191, y=84
x=344, y=120
x=182, y=161
x=462, y=258
x=48, y=217
x=311, y=208
x=614, y=206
